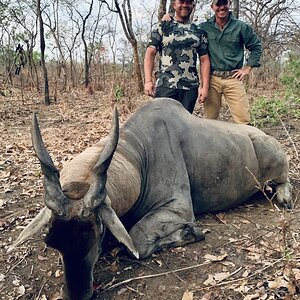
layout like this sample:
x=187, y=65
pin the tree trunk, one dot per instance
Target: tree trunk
x=236, y=8
x=137, y=67
x=171, y=9
x=86, y=57
x=42, y=45
x=126, y=21
x=162, y=9
x=32, y=67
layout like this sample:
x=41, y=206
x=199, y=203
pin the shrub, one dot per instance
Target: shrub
x=270, y=110
x=291, y=74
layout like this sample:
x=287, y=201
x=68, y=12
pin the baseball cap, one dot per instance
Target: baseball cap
x=220, y=2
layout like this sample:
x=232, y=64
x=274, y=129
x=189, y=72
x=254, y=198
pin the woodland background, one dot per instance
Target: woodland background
x=55, y=46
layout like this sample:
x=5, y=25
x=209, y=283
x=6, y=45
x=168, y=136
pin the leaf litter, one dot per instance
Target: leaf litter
x=251, y=252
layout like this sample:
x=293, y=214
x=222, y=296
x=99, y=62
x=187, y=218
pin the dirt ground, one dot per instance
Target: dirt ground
x=250, y=252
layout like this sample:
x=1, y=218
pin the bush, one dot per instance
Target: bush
x=291, y=74
x=118, y=92
x=270, y=109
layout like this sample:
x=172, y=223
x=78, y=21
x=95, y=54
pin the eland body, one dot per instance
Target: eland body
x=162, y=168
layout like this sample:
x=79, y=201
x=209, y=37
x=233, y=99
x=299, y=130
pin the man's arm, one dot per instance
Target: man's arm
x=253, y=44
x=148, y=69
x=204, y=75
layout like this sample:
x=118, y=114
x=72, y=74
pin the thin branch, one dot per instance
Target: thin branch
x=289, y=136
x=153, y=276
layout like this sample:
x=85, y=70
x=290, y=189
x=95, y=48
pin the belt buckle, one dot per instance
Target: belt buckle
x=225, y=74
x=222, y=74
x=218, y=73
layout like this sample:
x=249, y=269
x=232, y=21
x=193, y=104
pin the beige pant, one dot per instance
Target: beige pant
x=235, y=96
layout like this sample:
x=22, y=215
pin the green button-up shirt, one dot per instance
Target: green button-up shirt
x=226, y=47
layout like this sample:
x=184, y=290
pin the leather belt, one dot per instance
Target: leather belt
x=223, y=74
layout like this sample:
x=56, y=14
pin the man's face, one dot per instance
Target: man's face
x=221, y=9
x=183, y=8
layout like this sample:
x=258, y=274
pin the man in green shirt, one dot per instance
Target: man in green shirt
x=227, y=40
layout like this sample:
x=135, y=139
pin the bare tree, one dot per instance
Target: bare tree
x=43, y=46
x=271, y=20
x=275, y=24
x=236, y=8
x=86, y=58
x=70, y=40
x=125, y=15
x=162, y=9
x=29, y=23
x=53, y=25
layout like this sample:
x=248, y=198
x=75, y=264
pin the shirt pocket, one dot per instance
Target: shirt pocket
x=233, y=39
x=232, y=45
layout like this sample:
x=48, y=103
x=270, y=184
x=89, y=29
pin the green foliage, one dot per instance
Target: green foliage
x=36, y=57
x=270, y=110
x=118, y=92
x=288, y=254
x=291, y=75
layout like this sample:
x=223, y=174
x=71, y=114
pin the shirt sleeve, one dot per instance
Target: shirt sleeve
x=203, y=47
x=155, y=40
x=253, y=44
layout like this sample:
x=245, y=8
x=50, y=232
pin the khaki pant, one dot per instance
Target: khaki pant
x=235, y=96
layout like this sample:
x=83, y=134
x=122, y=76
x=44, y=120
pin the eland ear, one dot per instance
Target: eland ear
x=114, y=224
x=42, y=218
x=55, y=199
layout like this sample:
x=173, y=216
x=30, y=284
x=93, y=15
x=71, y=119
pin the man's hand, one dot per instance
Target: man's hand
x=202, y=94
x=167, y=17
x=149, y=88
x=240, y=74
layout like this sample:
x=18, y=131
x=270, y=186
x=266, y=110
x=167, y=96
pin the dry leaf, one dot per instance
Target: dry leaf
x=242, y=289
x=16, y=282
x=187, y=296
x=40, y=257
x=295, y=271
x=114, y=267
x=161, y=288
x=245, y=221
x=221, y=217
x=21, y=291
x=210, y=280
x=205, y=230
x=252, y=297
x=58, y=273
x=159, y=262
x=114, y=252
x=215, y=258
x=178, y=250
x=207, y=296
x=121, y=291
x=279, y=282
x=227, y=263
x=221, y=276
x=57, y=296
x=253, y=256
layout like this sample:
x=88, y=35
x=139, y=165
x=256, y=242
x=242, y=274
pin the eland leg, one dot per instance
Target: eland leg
x=164, y=228
x=283, y=194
